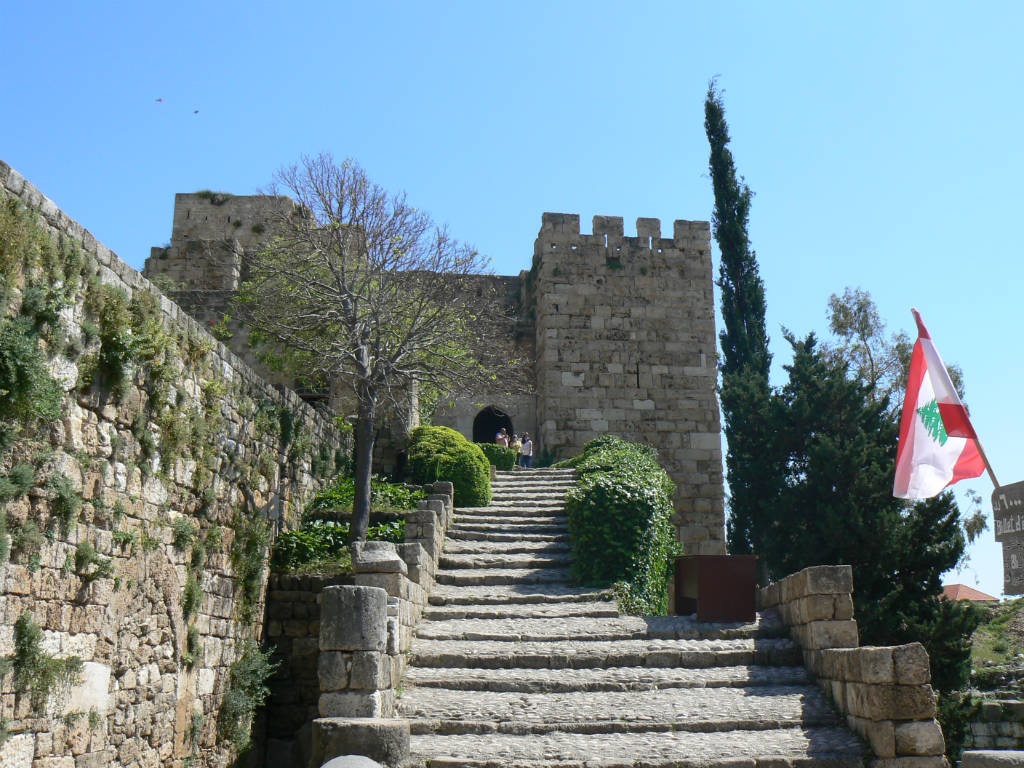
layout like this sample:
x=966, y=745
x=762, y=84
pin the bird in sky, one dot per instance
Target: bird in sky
x=160, y=101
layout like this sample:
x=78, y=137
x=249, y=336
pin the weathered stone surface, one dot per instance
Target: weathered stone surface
x=386, y=741
x=910, y=663
x=990, y=758
x=920, y=738
x=351, y=761
x=890, y=702
x=353, y=619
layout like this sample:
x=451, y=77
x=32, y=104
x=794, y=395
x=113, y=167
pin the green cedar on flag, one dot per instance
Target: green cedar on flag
x=938, y=445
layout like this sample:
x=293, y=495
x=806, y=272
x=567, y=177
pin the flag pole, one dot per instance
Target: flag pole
x=988, y=466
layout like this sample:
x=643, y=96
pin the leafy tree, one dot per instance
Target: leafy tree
x=745, y=358
x=834, y=439
x=367, y=292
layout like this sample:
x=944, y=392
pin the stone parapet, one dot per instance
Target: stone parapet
x=999, y=724
x=366, y=630
x=884, y=692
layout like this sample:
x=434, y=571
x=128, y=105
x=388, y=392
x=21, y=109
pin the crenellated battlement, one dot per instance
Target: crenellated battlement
x=566, y=226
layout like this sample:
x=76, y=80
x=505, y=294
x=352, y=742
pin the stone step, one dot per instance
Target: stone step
x=611, y=679
x=524, y=499
x=506, y=521
x=536, y=629
x=541, y=628
x=699, y=709
x=459, y=547
x=508, y=594
x=554, y=510
x=602, y=609
x=472, y=534
x=825, y=746
x=514, y=527
x=476, y=577
x=504, y=560
x=570, y=654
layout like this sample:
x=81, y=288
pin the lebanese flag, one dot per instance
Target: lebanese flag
x=938, y=445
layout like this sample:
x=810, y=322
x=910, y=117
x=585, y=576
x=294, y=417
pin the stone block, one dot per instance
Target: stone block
x=370, y=671
x=356, y=704
x=383, y=740
x=377, y=557
x=985, y=758
x=880, y=734
x=875, y=665
x=353, y=618
x=890, y=702
x=991, y=711
x=923, y=737
x=910, y=662
x=17, y=751
x=334, y=669
x=908, y=762
x=828, y=579
x=830, y=634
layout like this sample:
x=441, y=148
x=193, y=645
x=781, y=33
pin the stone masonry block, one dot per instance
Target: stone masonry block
x=880, y=734
x=356, y=704
x=353, y=618
x=386, y=741
x=377, y=557
x=370, y=671
x=909, y=762
x=830, y=634
x=989, y=758
x=814, y=608
x=875, y=665
x=890, y=702
x=333, y=670
x=911, y=664
x=923, y=737
x=829, y=579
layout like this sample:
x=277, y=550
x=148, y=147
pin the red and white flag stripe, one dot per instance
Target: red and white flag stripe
x=938, y=445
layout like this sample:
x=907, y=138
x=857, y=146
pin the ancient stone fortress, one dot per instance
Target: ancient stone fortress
x=621, y=331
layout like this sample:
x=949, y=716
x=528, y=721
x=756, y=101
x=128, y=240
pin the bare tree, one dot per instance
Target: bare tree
x=366, y=291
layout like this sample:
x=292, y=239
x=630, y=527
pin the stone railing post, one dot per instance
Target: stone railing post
x=884, y=692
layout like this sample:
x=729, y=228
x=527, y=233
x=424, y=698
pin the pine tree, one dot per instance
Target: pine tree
x=833, y=443
x=745, y=358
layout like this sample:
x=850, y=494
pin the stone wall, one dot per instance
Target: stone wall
x=999, y=725
x=884, y=692
x=365, y=633
x=626, y=344
x=173, y=475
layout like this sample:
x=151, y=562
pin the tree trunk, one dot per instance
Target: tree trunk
x=365, y=429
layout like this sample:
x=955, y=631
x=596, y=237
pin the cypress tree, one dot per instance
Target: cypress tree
x=745, y=360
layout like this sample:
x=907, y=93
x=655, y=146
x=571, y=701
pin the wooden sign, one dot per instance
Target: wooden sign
x=1008, y=517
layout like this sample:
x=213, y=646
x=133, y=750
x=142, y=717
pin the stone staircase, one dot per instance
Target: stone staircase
x=513, y=666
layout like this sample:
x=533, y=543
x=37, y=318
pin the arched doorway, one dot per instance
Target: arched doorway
x=488, y=422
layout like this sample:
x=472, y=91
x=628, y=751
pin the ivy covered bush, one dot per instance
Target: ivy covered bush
x=500, y=456
x=441, y=453
x=335, y=500
x=620, y=523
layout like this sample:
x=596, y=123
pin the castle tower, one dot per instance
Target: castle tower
x=626, y=344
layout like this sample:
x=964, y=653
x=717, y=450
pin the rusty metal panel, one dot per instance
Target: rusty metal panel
x=1008, y=519
x=716, y=587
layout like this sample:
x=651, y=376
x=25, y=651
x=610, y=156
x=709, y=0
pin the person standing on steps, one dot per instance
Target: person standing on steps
x=502, y=437
x=526, y=451
x=516, y=445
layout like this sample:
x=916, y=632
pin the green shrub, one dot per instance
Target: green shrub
x=247, y=559
x=27, y=391
x=620, y=523
x=326, y=541
x=338, y=496
x=5, y=538
x=66, y=503
x=90, y=565
x=191, y=596
x=27, y=541
x=441, y=453
x=247, y=691
x=183, y=532
x=36, y=673
x=500, y=456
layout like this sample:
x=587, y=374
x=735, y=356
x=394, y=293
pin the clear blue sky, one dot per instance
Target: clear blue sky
x=882, y=140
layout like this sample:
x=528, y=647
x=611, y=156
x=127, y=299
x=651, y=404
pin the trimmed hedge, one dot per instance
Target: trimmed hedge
x=441, y=453
x=620, y=523
x=500, y=456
